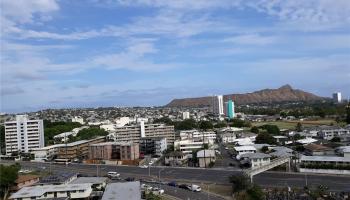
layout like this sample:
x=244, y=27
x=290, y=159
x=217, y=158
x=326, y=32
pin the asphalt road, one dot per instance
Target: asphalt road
x=197, y=175
x=186, y=194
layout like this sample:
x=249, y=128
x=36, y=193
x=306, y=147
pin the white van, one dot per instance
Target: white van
x=194, y=188
x=113, y=175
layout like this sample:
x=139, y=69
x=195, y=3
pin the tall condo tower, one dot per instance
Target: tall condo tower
x=218, y=105
x=230, y=109
x=23, y=134
x=337, y=97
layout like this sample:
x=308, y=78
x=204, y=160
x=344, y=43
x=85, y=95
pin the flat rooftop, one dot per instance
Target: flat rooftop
x=37, y=191
x=122, y=191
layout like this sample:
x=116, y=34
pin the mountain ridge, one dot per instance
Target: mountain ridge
x=285, y=93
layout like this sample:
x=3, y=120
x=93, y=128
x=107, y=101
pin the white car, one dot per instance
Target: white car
x=194, y=188
x=143, y=166
x=158, y=191
x=113, y=175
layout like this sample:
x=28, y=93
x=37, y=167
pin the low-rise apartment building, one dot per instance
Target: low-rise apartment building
x=187, y=146
x=256, y=159
x=136, y=132
x=153, y=145
x=114, y=151
x=78, y=149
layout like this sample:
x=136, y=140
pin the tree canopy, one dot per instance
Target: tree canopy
x=186, y=124
x=265, y=138
x=271, y=129
x=239, y=123
x=54, y=128
x=205, y=125
x=8, y=176
x=89, y=133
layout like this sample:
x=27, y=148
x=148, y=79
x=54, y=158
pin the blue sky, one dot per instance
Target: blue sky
x=57, y=53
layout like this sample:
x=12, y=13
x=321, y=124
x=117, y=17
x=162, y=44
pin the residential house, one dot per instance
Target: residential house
x=206, y=157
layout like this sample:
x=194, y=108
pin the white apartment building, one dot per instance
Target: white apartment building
x=187, y=146
x=64, y=191
x=189, y=134
x=23, y=134
x=46, y=153
x=243, y=150
x=229, y=135
x=218, y=105
x=136, y=132
x=78, y=119
x=185, y=115
x=330, y=133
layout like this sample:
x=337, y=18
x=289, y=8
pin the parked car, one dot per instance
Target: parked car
x=130, y=179
x=184, y=186
x=172, y=183
x=113, y=175
x=194, y=188
x=143, y=166
x=157, y=191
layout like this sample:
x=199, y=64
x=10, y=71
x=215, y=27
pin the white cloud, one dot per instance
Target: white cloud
x=251, y=39
x=23, y=11
x=132, y=59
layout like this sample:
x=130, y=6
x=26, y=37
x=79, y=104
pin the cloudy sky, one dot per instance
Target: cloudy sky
x=62, y=53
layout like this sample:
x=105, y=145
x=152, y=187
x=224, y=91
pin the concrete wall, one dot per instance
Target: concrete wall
x=325, y=171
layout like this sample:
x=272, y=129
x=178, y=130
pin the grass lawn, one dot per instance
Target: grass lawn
x=292, y=124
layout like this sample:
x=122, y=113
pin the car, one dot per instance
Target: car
x=129, y=179
x=194, y=188
x=157, y=191
x=183, y=186
x=226, y=148
x=143, y=166
x=143, y=186
x=172, y=183
x=113, y=175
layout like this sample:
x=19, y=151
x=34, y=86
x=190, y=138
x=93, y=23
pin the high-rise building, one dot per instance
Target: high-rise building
x=218, y=105
x=23, y=134
x=337, y=97
x=230, y=109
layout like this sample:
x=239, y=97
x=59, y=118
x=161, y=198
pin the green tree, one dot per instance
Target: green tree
x=8, y=176
x=299, y=127
x=151, y=196
x=165, y=120
x=264, y=149
x=220, y=125
x=256, y=193
x=186, y=124
x=254, y=129
x=335, y=139
x=90, y=133
x=205, y=125
x=272, y=129
x=265, y=138
x=240, y=182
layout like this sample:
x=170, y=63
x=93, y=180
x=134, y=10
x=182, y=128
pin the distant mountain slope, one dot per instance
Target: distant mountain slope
x=283, y=94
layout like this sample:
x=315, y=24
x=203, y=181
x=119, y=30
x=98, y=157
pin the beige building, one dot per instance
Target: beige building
x=79, y=149
x=114, y=151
